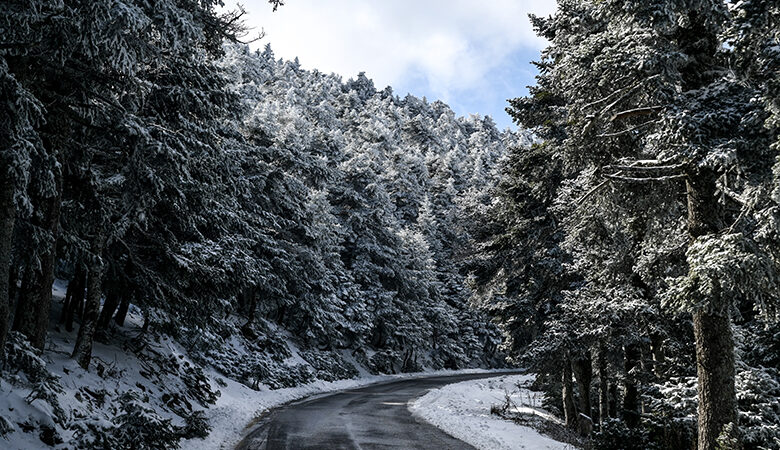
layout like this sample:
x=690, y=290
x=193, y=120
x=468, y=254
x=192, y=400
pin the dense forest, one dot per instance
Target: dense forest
x=232, y=200
x=195, y=181
x=164, y=186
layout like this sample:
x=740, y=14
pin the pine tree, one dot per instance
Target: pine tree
x=19, y=141
x=641, y=95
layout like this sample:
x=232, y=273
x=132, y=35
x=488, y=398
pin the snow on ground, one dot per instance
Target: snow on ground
x=116, y=369
x=238, y=405
x=463, y=410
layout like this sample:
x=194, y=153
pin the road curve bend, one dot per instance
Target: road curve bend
x=369, y=417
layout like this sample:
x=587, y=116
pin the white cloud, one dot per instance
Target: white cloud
x=448, y=44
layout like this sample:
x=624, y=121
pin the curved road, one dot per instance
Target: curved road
x=370, y=417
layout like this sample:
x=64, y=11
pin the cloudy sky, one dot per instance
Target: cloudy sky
x=471, y=54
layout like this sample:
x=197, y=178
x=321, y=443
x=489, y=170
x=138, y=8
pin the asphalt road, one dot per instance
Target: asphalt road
x=370, y=417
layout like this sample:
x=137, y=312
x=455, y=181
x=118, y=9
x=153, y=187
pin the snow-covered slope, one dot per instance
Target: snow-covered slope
x=145, y=387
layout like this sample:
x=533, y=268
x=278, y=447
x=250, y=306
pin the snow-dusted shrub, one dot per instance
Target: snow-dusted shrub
x=6, y=426
x=22, y=358
x=181, y=380
x=197, y=383
x=131, y=424
x=139, y=427
x=92, y=433
x=385, y=361
x=758, y=391
x=278, y=376
x=615, y=435
x=196, y=425
x=672, y=423
x=29, y=370
x=330, y=366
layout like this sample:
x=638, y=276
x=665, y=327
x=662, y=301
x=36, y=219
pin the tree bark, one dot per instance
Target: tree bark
x=43, y=297
x=659, y=355
x=69, y=294
x=567, y=393
x=34, y=311
x=13, y=283
x=82, y=351
x=714, y=340
x=583, y=374
x=121, y=313
x=601, y=364
x=7, y=217
x=631, y=393
x=21, y=301
x=715, y=368
x=77, y=299
x=248, y=299
x=109, y=308
x=23, y=315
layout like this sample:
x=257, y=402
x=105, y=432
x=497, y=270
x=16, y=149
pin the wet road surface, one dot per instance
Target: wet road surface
x=369, y=417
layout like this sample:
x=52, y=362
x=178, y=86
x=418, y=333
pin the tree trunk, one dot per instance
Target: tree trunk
x=7, y=217
x=23, y=311
x=69, y=294
x=13, y=283
x=121, y=313
x=631, y=393
x=77, y=300
x=43, y=297
x=583, y=374
x=601, y=364
x=34, y=312
x=567, y=393
x=82, y=351
x=714, y=341
x=109, y=308
x=659, y=355
x=613, y=400
x=715, y=368
x=249, y=305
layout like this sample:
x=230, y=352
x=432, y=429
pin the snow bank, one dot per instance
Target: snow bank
x=463, y=410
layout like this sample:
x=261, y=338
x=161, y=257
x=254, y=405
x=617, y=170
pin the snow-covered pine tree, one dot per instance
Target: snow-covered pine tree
x=642, y=94
x=19, y=116
x=90, y=73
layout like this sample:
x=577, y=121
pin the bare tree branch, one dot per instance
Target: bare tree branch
x=627, y=90
x=617, y=177
x=621, y=133
x=636, y=165
x=582, y=199
x=644, y=111
x=638, y=168
x=733, y=195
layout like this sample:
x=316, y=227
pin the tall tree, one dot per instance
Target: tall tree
x=20, y=114
x=641, y=94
